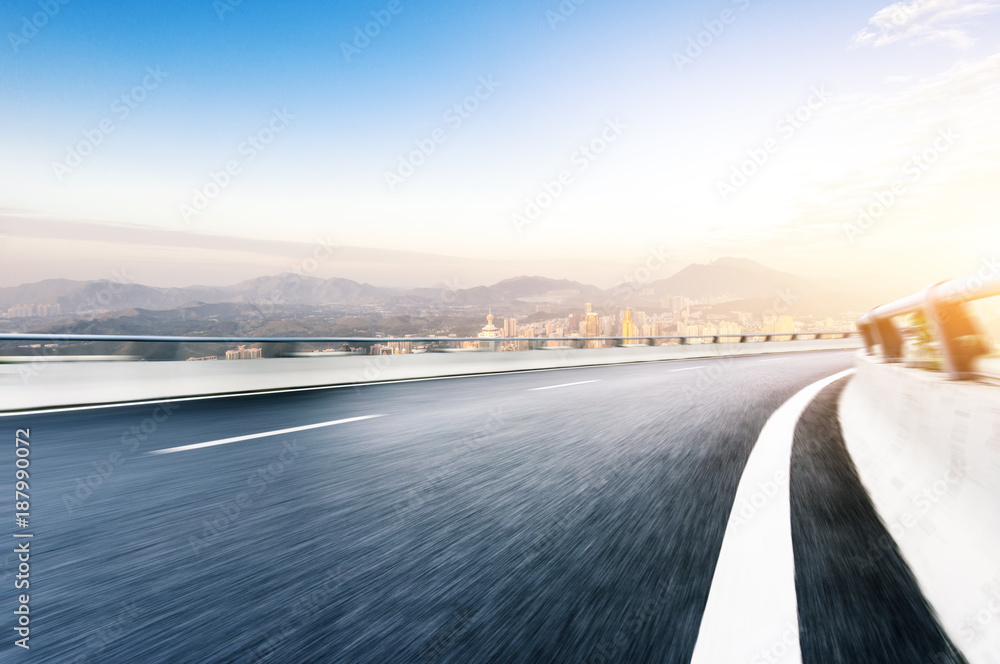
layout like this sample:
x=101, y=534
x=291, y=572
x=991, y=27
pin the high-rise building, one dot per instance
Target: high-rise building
x=628, y=327
x=510, y=327
x=784, y=324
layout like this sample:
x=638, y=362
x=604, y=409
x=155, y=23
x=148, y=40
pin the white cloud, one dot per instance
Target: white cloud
x=924, y=21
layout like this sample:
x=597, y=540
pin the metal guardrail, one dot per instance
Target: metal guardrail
x=957, y=331
x=487, y=343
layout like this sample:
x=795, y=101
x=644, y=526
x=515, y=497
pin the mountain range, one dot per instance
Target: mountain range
x=723, y=280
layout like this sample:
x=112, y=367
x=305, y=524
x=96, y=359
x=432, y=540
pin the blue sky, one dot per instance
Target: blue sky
x=554, y=85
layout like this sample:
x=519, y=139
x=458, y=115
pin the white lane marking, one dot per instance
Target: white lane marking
x=752, y=606
x=278, y=432
x=552, y=387
x=700, y=366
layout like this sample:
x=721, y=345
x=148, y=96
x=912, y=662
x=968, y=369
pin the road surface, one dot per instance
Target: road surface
x=552, y=516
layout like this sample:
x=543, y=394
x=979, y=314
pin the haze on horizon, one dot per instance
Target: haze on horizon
x=741, y=128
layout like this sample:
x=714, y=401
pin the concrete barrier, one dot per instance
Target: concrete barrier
x=41, y=384
x=928, y=451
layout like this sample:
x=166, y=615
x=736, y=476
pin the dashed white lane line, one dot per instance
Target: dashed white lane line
x=752, y=604
x=552, y=387
x=700, y=366
x=277, y=432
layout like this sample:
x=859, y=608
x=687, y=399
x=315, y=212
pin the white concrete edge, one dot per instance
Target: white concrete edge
x=927, y=451
x=59, y=385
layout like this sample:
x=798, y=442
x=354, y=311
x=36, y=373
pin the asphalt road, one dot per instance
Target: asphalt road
x=478, y=519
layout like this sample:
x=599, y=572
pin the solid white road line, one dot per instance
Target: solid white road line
x=752, y=611
x=278, y=432
x=552, y=387
x=700, y=366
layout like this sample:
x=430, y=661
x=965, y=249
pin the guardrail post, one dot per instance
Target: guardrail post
x=889, y=339
x=960, y=337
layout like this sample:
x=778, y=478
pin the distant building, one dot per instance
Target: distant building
x=592, y=323
x=629, y=330
x=203, y=359
x=490, y=331
x=243, y=353
x=510, y=327
x=400, y=347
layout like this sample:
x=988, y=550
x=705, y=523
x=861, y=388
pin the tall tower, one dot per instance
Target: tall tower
x=490, y=331
x=628, y=327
